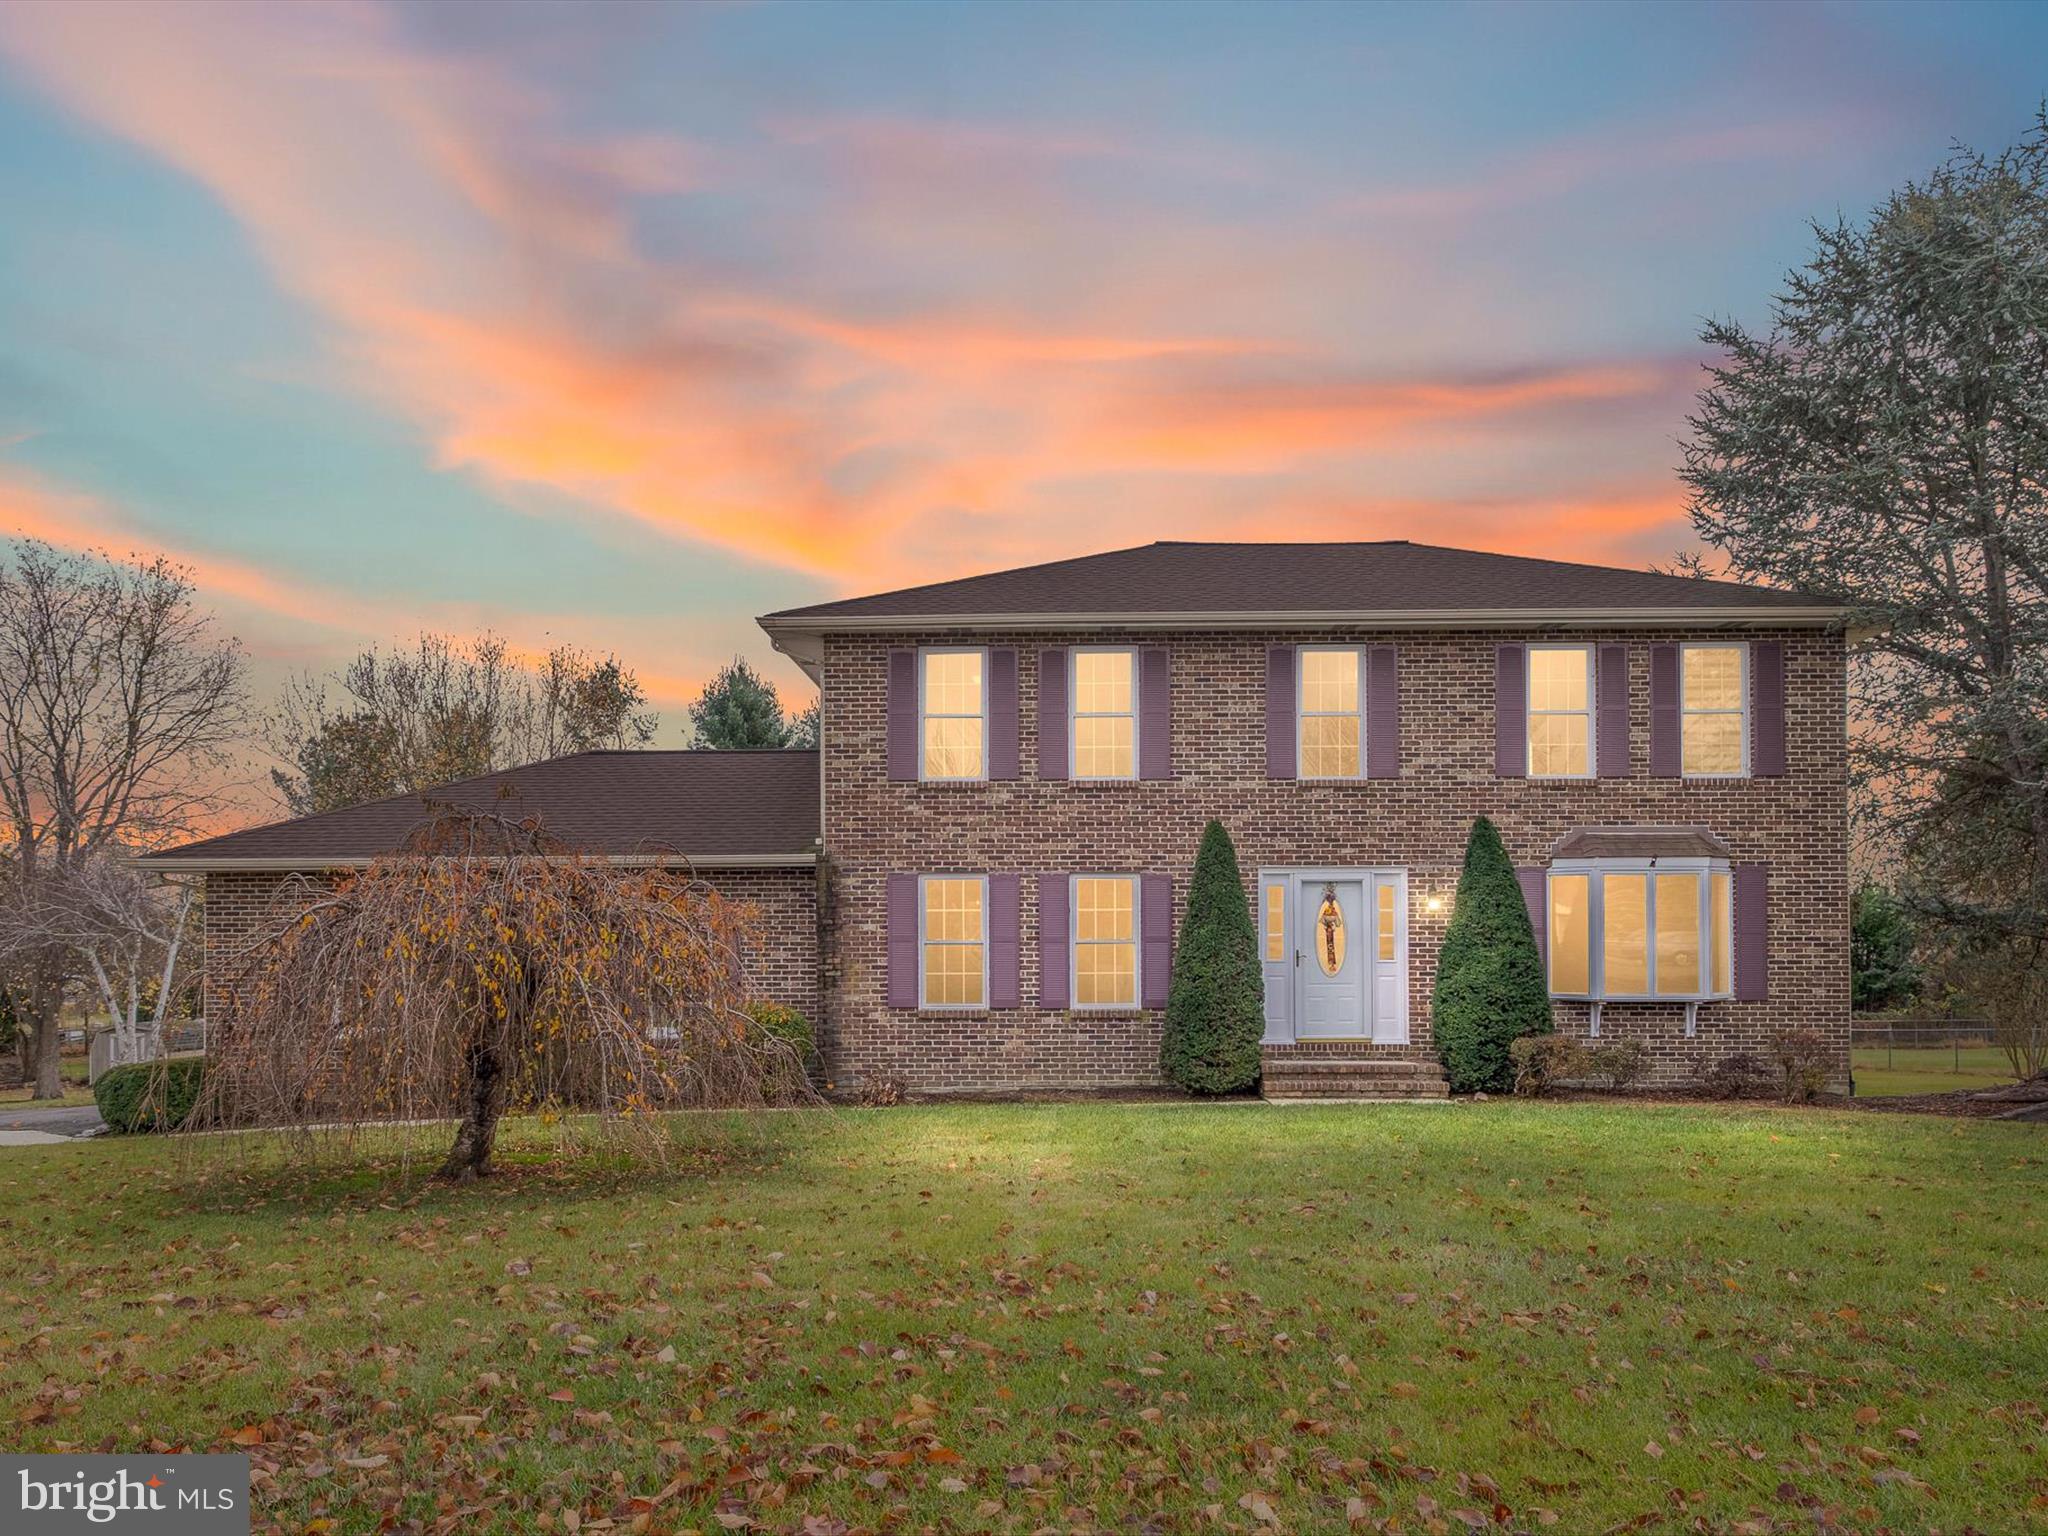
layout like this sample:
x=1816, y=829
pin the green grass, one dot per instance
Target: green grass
x=1076, y=1317
x=1927, y=1069
x=72, y=1072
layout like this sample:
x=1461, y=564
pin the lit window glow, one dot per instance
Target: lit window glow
x=954, y=938
x=1105, y=722
x=1332, y=727
x=1560, y=711
x=1714, y=729
x=954, y=715
x=1105, y=941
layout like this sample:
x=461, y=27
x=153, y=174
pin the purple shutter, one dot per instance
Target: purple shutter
x=1510, y=713
x=903, y=717
x=1752, y=932
x=1767, y=709
x=1052, y=714
x=1052, y=941
x=1611, y=744
x=1155, y=714
x=1382, y=713
x=902, y=941
x=1155, y=956
x=1005, y=988
x=1002, y=714
x=1533, y=889
x=1280, y=712
x=1667, y=754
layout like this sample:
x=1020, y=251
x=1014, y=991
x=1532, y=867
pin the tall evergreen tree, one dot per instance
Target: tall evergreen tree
x=739, y=708
x=1490, y=987
x=1215, y=1008
x=1884, y=443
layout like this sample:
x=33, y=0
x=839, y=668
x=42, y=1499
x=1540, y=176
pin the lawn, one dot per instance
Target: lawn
x=1077, y=1317
x=1882, y=1072
x=73, y=1070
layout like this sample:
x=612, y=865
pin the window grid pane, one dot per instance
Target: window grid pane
x=1329, y=746
x=954, y=730
x=1721, y=908
x=1625, y=935
x=1386, y=920
x=1332, y=731
x=1105, y=746
x=1560, y=721
x=1105, y=941
x=953, y=950
x=1678, y=935
x=1276, y=913
x=1712, y=726
x=1105, y=726
x=1570, y=933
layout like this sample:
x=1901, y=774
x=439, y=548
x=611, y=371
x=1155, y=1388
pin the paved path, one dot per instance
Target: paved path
x=57, y=1124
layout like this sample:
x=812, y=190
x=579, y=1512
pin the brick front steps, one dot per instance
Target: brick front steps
x=1286, y=1077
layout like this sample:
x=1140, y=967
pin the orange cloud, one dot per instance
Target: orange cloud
x=478, y=265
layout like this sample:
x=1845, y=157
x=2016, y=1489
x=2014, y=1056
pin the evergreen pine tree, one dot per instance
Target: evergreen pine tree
x=1490, y=987
x=739, y=708
x=1215, y=1009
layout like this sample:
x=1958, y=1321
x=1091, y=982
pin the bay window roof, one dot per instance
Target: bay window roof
x=1640, y=843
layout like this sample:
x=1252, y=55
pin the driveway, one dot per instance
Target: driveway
x=32, y=1127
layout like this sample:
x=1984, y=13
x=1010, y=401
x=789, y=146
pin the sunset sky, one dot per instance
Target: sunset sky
x=622, y=325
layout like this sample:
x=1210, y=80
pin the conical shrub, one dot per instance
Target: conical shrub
x=1490, y=989
x=1215, y=1009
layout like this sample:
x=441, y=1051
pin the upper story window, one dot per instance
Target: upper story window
x=952, y=939
x=1641, y=929
x=1713, y=711
x=953, y=714
x=1330, y=714
x=1103, y=705
x=1560, y=711
x=1105, y=948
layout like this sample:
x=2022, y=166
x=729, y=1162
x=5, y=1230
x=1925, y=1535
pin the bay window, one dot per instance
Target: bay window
x=1657, y=929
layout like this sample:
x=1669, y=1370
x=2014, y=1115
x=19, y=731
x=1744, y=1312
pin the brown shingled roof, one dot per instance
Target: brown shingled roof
x=712, y=807
x=1640, y=843
x=1390, y=577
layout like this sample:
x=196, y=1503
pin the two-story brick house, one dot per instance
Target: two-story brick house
x=975, y=884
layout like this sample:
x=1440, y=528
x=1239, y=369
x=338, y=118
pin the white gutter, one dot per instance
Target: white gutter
x=796, y=628
x=226, y=864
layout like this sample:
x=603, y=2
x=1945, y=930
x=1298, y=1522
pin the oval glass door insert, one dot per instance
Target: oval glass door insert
x=1330, y=933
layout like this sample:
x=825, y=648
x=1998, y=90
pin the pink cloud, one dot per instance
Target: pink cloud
x=478, y=267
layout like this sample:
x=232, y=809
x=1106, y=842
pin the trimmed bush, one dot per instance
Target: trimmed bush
x=1544, y=1063
x=781, y=1022
x=1490, y=989
x=1738, y=1075
x=1623, y=1063
x=149, y=1095
x=1801, y=1057
x=1215, y=1009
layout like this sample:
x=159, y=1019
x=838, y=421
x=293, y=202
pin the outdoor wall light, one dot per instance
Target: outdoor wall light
x=1433, y=903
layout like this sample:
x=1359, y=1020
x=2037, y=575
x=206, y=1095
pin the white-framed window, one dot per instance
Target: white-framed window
x=1104, y=913
x=952, y=713
x=1641, y=929
x=1330, y=712
x=1560, y=702
x=952, y=941
x=1102, y=712
x=1713, y=710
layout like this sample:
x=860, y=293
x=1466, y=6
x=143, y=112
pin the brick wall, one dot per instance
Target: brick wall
x=783, y=968
x=872, y=827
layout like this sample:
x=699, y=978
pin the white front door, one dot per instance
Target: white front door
x=1333, y=949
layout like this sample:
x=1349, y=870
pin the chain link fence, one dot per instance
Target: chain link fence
x=1898, y=1056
